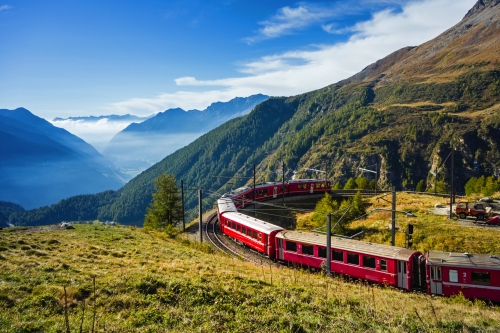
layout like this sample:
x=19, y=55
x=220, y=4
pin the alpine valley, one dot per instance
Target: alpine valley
x=404, y=113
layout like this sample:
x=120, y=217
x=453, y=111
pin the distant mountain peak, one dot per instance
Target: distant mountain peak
x=471, y=43
x=480, y=6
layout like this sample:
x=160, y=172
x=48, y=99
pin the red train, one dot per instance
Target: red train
x=440, y=273
x=244, y=195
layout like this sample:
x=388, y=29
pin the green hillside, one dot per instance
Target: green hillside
x=145, y=282
x=406, y=124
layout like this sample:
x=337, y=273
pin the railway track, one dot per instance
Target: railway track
x=227, y=245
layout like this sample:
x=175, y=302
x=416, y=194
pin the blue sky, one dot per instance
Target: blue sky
x=76, y=58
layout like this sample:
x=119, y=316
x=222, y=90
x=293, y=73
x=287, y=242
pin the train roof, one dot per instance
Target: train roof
x=308, y=180
x=252, y=222
x=243, y=189
x=348, y=244
x=466, y=260
x=226, y=205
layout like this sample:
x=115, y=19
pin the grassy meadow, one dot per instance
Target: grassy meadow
x=146, y=282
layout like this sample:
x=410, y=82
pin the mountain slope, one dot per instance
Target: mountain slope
x=140, y=145
x=112, y=117
x=472, y=44
x=41, y=164
x=405, y=124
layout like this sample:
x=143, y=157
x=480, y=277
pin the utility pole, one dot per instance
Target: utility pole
x=200, y=208
x=283, y=187
x=183, y=216
x=435, y=183
x=328, y=243
x=254, y=198
x=393, y=225
x=376, y=174
x=451, y=181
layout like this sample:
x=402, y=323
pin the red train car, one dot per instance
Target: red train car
x=473, y=275
x=308, y=186
x=254, y=233
x=244, y=195
x=379, y=263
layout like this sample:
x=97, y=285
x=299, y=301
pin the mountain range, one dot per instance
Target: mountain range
x=41, y=164
x=112, y=117
x=140, y=145
x=404, y=115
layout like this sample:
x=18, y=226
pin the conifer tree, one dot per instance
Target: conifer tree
x=350, y=184
x=362, y=183
x=323, y=207
x=165, y=211
x=420, y=186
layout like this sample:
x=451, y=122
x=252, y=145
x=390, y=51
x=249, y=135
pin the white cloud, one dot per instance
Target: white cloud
x=97, y=133
x=299, y=71
x=289, y=20
x=5, y=7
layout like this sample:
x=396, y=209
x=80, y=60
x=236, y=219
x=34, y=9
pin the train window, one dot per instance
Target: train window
x=435, y=273
x=353, y=258
x=291, y=246
x=243, y=230
x=308, y=249
x=338, y=255
x=481, y=278
x=453, y=275
x=233, y=225
x=322, y=252
x=259, y=237
x=262, y=192
x=369, y=262
x=383, y=265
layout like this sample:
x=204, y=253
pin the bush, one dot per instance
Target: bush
x=420, y=186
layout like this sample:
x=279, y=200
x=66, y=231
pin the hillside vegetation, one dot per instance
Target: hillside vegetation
x=403, y=114
x=431, y=231
x=145, y=282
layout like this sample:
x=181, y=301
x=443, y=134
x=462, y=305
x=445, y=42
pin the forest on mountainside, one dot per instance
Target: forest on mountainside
x=406, y=129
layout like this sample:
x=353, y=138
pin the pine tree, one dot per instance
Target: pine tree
x=165, y=211
x=491, y=186
x=337, y=186
x=323, y=207
x=350, y=184
x=420, y=186
x=362, y=183
x=470, y=186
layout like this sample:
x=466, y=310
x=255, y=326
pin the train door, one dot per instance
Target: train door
x=275, y=192
x=280, y=249
x=402, y=278
x=436, y=280
x=312, y=188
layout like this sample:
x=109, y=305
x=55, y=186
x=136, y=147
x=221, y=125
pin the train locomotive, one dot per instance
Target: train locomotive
x=435, y=272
